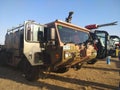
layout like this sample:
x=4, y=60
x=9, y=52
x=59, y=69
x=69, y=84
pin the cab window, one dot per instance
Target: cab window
x=32, y=31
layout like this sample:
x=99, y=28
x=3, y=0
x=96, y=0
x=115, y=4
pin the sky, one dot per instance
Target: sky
x=15, y=12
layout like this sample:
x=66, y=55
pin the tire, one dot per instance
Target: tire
x=61, y=70
x=78, y=66
x=31, y=72
x=93, y=61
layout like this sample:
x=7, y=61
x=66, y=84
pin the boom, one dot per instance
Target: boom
x=95, y=26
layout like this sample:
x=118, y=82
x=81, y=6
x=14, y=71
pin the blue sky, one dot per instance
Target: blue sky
x=14, y=12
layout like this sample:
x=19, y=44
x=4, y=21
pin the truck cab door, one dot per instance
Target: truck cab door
x=102, y=43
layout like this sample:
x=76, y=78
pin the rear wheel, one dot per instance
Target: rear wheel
x=31, y=72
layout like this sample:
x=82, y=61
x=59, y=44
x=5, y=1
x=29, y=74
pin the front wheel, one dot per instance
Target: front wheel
x=61, y=70
x=31, y=72
x=93, y=61
x=77, y=66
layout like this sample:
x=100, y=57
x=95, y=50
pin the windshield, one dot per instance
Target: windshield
x=69, y=35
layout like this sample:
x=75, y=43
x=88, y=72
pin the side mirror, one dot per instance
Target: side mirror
x=52, y=35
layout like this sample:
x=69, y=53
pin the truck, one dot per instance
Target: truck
x=52, y=47
x=115, y=45
x=103, y=37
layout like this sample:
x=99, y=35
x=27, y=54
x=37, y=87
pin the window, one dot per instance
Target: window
x=69, y=35
x=102, y=38
x=32, y=31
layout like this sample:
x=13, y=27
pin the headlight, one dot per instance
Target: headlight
x=67, y=55
x=94, y=53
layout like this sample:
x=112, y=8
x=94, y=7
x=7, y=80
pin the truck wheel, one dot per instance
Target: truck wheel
x=61, y=70
x=93, y=61
x=77, y=66
x=31, y=72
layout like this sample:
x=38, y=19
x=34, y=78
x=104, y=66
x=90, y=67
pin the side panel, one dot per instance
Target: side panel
x=13, y=43
x=30, y=49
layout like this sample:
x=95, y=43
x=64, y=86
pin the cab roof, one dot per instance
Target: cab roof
x=59, y=22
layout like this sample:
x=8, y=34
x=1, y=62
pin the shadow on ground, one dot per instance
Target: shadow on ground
x=99, y=68
x=15, y=75
x=10, y=73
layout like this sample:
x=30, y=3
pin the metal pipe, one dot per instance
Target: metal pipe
x=15, y=28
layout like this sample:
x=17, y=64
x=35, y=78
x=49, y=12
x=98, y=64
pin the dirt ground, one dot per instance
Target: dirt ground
x=99, y=76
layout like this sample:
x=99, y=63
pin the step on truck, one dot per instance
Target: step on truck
x=55, y=46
